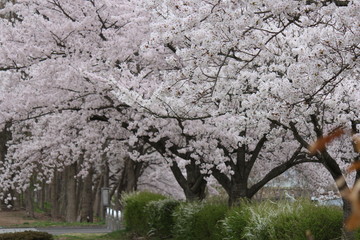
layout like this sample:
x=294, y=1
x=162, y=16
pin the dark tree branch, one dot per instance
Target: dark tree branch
x=317, y=128
x=224, y=181
x=58, y=5
x=297, y=136
x=255, y=154
x=295, y=159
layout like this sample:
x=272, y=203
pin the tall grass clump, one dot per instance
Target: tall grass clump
x=160, y=217
x=282, y=220
x=134, y=210
x=201, y=221
x=185, y=220
x=208, y=221
x=236, y=219
x=261, y=215
x=324, y=222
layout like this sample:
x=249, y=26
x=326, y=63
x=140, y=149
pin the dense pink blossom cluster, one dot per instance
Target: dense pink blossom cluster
x=238, y=88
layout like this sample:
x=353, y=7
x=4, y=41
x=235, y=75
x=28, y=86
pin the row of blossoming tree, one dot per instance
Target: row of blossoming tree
x=236, y=90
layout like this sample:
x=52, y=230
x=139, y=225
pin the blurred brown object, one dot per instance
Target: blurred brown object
x=309, y=236
x=356, y=143
x=354, y=166
x=320, y=143
x=352, y=195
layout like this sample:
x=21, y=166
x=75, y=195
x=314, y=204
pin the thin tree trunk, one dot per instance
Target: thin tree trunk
x=128, y=180
x=347, y=210
x=86, y=210
x=71, y=198
x=54, y=196
x=42, y=196
x=29, y=202
x=347, y=235
x=106, y=184
x=5, y=136
x=97, y=198
x=62, y=186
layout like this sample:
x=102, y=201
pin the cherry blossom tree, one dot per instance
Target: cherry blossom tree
x=239, y=70
x=57, y=64
x=221, y=87
x=212, y=91
x=62, y=116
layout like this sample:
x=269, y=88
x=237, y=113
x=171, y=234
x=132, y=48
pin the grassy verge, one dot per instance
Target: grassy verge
x=56, y=224
x=118, y=235
x=82, y=236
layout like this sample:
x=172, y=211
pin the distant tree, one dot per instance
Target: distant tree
x=65, y=124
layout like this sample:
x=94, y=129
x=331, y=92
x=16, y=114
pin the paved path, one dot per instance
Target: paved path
x=60, y=230
x=65, y=230
x=9, y=230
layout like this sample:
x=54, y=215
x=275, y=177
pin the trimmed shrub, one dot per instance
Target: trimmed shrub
x=134, y=210
x=199, y=221
x=27, y=235
x=160, y=216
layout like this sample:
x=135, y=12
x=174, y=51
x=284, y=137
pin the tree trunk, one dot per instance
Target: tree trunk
x=54, y=197
x=197, y=193
x=128, y=179
x=330, y=164
x=43, y=196
x=238, y=191
x=347, y=235
x=347, y=210
x=86, y=210
x=96, y=197
x=5, y=136
x=194, y=185
x=71, y=198
x=103, y=182
x=29, y=202
x=62, y=186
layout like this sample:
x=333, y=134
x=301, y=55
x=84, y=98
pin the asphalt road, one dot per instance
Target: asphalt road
x=60, y=230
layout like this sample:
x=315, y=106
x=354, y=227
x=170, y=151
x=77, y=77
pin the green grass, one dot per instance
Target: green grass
x=118, y=235
x=82, y=236
x=56, y=224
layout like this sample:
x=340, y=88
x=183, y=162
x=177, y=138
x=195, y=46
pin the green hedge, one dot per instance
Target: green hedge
x=27, y=235
x=134, y=212
x=152, y=214
x=160, y=216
